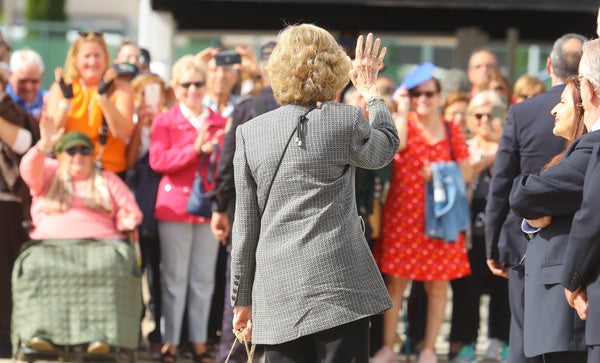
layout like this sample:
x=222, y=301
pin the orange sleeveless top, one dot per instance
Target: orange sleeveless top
x=85, y=115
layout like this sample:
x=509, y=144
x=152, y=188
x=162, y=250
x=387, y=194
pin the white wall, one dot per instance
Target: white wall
x=109, y=13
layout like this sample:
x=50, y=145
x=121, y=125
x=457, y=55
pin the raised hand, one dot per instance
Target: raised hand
x=204, y=144
x=109, y=76
x=49, y=133
x=366, y=65
x=249, y=63
x=207, y=54
x=66, y=89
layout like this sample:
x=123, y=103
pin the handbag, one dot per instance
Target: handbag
x=200, y=200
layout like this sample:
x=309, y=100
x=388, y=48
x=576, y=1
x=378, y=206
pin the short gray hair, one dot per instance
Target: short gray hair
x=565, y=63
x=590, y=62
x=26, y=58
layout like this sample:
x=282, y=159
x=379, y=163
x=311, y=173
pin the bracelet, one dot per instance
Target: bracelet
x=375, y=99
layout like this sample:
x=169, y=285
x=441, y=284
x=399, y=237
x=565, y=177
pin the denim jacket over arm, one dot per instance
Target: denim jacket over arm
x=446, y=208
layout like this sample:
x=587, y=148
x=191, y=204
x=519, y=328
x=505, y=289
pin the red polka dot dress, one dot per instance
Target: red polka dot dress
x=403, y=249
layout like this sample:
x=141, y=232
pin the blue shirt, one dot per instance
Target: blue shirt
x=210, y=103
x=35, y=107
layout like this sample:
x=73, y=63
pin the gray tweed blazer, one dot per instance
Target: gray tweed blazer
x=305, y=266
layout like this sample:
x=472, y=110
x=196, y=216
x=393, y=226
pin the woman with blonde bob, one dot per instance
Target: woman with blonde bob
x=303, y=280
x=88, y=91
x=184, y=141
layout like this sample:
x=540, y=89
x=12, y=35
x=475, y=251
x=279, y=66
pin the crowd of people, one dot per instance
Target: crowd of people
x=345, y=190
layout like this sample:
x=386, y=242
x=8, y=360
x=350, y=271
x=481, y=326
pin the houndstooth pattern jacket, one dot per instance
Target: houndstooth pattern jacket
x=305, y=266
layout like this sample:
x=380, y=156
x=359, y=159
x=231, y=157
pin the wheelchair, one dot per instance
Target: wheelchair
x=72, y=292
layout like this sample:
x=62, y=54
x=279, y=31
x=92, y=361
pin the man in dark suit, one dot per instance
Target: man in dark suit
x=527, y=144
x=582, y=258
x=552, y=330
x=223, y=207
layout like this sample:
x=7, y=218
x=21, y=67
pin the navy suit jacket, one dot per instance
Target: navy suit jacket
x=527, y=144
x=582, y=257
x=550, y=324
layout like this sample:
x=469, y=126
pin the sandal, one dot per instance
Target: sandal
x=202, y=357
x=167, y=356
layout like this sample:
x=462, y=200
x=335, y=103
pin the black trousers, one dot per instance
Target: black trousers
x=13, y=236
x=561, y=357
x=348, y=343
x=593, y=354
x=150, y=248
x=516, y=298
x=466, y=299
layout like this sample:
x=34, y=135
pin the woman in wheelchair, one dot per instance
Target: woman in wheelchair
x=76, y=283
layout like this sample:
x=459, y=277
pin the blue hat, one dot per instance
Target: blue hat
x=421, y=74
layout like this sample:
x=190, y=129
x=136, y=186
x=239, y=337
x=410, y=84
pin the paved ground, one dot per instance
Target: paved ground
x=441, y=345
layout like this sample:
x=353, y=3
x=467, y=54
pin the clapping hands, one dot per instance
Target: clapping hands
x=206, y=144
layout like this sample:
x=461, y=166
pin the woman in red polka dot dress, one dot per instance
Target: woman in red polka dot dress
x=404, y=252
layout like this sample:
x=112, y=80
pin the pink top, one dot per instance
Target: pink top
x=79, y=221
x=172, y=154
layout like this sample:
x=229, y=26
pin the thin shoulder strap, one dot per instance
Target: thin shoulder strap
x=302, y=117
x=449, y=135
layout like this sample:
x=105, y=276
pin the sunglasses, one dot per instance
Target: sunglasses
x=417, y=94
x=479, y=116
x=136, y=58
x=85, y=151
x=188, y=84
x=92, y=33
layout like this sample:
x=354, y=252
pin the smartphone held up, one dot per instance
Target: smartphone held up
x=228, y=58
x=152, y=94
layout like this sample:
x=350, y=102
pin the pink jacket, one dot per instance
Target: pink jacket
x=79, y=221
x=172, y=154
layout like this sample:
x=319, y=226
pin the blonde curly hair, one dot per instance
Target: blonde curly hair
x=307, y=66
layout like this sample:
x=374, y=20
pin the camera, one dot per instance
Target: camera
x=228, y=57
x=126, y=69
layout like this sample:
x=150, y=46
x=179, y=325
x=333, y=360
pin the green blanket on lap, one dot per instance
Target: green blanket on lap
x=74, y=291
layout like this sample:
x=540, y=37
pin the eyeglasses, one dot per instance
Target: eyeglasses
x=85, y=151
x=577, y=81
x=93, y=33
x=195, y=84
x=135, y=58
x=480, y=116
x=417, y=94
